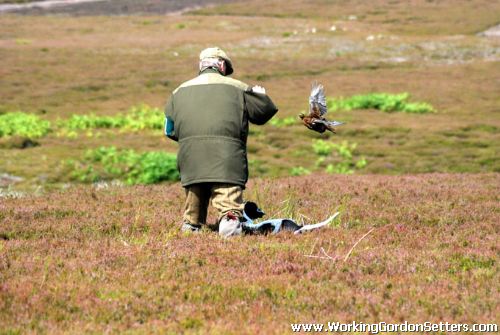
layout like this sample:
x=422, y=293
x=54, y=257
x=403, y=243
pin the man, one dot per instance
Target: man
x=209, y=117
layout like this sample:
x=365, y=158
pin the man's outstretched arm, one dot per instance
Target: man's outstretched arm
x=259, y=106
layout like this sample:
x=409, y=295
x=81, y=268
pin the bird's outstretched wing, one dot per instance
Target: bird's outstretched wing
x=317, y=98
x=329, y=123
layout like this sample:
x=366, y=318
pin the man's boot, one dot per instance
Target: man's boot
x=187, y=227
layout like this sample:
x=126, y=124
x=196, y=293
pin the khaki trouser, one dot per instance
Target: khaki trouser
x=225, y=198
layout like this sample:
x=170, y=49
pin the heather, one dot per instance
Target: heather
x=112, y=257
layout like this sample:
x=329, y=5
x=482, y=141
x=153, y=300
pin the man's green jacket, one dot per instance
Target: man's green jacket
x=209, y=117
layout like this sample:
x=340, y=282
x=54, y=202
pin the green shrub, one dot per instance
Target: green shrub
x=90, y=121
x=32, y=126
x=343, y=160
x=334, y=157
x=299, y=171
x=23, y=124
x=143, y=117
x=323, y=148
x=137, y=118
x=383, y=101
x=153, y=167
x=134, y=168
x=418, y=108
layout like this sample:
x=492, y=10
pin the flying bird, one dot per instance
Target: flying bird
x=315, y=120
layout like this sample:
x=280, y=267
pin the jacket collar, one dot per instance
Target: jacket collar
x=211, y=70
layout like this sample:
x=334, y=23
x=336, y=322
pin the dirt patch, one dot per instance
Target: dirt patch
x=491, y=32
x=107, y=7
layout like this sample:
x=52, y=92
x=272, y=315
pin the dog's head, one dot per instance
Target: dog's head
x=253, y=211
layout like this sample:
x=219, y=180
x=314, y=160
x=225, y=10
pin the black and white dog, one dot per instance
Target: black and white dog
x=274, y=226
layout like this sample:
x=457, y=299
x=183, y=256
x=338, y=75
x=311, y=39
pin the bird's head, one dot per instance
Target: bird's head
x=302, y=115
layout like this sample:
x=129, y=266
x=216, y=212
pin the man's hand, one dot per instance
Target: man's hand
x=259, y=89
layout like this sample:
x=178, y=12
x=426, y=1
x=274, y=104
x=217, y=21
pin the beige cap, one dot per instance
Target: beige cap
x=216, y=52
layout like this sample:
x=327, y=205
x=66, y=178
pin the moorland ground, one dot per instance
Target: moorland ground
x=56, y=66
x=107, y=258
x=112, y=260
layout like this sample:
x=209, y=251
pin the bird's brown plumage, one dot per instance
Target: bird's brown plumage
x=315, y=120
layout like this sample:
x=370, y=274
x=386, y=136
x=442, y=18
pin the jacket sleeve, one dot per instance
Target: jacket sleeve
x=169, y=128
x=259, y=107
